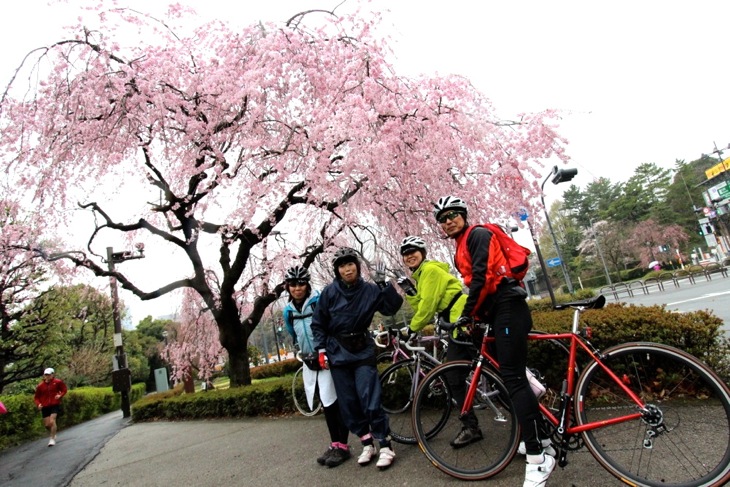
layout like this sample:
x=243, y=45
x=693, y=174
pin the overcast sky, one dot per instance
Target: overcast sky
x=637, y=81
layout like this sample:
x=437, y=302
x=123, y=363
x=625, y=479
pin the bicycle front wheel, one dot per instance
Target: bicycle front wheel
x=300, y=397
x=396, y=383
x=683, y=436
x=436, y=422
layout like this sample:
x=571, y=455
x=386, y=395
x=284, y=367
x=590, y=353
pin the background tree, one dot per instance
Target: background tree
x=80, y=332
x=22, y=275
x=194, y=348
x=649, y=236
x=151, y=335
x=684, y=197
x=241, y=151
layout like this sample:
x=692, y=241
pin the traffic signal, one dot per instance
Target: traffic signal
x=707, y=229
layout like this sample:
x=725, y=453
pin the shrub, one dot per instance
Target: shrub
x=277, y=369
x=698, y=333
x=262, y=399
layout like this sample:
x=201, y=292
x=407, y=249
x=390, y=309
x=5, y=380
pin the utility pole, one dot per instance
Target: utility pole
x=121, y=376
x=558, y=176
x=542, y=263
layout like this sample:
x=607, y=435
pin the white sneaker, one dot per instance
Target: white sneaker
x=51, y=442
x=547, y=448
x=368, y=452
x=385, y=460
x=536, y=474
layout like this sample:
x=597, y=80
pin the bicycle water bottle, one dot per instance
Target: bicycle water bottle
x=537, y=387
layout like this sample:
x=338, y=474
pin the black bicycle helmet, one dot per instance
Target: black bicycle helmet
x=297, y=273
x=411, y=242
x=343, y=256
x=446, y=203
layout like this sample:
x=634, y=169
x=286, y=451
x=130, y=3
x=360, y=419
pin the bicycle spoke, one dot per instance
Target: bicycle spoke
x=436, y=423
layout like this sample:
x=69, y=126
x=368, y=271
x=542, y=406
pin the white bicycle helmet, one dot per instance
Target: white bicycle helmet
x=411, y=242
x=297, y=273
x=449, y=203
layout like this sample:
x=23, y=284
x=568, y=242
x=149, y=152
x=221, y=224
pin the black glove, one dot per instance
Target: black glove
x=464, y=322
x=407, y=333
x=407, y=286
x=379, y=275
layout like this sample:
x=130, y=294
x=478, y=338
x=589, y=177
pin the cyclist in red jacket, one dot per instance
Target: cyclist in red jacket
x=47, y=397
x=497, y=298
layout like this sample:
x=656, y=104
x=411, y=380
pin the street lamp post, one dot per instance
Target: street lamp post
x=558, y=176
x=121, y=376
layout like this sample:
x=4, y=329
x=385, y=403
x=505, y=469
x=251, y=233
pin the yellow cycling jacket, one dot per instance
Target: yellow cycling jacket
x=436, y=288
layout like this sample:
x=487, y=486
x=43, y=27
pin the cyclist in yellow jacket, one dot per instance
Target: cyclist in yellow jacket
x=438, y=291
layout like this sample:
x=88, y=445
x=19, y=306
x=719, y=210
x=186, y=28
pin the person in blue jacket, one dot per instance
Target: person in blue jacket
x=340, y=329
x=297, y=320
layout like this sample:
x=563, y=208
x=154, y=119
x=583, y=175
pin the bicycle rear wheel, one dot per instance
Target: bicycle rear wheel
x=683, y=439
x=396, y=383
x=436, y=422
x=300, y=397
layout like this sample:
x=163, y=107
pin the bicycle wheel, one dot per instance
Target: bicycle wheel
x=683, y=439
x=300, y=397
x=436, y=422
x=396, y=383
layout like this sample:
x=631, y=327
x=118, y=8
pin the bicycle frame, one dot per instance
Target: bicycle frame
x=563, y=422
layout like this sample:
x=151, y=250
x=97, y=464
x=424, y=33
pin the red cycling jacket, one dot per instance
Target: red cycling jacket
x=482, y=265
x=46, y=392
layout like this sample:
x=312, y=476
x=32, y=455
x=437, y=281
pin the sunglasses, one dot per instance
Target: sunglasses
x=448, y=216
x=299, y=282
x=409, y=251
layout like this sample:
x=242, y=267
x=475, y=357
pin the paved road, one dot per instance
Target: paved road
x=271, y=452
x=35, y=464
x=249, y=452
x=711, y=295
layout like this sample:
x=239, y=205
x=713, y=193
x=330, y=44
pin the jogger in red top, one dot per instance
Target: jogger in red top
x=47, y=397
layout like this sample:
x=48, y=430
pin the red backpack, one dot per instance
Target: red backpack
x=516, y=254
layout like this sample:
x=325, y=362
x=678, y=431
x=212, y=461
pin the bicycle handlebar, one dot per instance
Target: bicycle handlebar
x=397, y=334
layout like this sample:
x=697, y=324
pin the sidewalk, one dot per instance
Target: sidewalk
x=277, y=451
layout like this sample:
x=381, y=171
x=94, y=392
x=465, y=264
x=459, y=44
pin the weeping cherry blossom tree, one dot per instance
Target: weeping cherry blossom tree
x=243, y=152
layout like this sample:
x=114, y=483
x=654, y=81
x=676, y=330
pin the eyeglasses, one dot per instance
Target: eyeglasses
x=409, y=251
x=448, y=216
x=300, y=282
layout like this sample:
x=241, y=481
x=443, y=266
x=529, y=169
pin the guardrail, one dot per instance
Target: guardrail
x=689, y=274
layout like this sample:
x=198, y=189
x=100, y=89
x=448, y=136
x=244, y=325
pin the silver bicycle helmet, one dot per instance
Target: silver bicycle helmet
x=297, y=273
x=344, y=255
x=411, y=242
x=449, y=203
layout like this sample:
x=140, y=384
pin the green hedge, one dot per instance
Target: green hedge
x=23, y=421
x=266, y=398
x=698, y=333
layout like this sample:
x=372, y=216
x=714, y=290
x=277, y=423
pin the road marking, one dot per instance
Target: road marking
x=705, y=296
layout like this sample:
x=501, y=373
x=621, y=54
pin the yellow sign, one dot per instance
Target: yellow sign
x=718, y=169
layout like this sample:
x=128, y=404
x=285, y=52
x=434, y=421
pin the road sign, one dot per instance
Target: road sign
x=522, y=214
x=554, y=262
